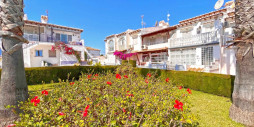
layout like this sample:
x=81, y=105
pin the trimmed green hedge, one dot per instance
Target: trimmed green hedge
x=48, y=74
x=132, y=62
x=216, y=84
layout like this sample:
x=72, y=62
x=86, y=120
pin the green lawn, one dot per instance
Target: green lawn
x=213, y=111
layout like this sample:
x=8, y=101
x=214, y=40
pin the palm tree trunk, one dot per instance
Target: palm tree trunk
x=242, y=109
x=13, y=87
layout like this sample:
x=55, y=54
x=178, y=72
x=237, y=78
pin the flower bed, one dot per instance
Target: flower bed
x=122, y=99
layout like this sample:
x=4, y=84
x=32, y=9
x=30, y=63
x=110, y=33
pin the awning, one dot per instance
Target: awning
x=151, y=50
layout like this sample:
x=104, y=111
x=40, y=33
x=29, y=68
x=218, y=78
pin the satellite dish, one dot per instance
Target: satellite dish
x=233, y=5
x=218, y=4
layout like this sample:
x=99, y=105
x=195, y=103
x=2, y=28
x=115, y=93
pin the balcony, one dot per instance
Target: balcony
x=46, y=39
x=194, y=40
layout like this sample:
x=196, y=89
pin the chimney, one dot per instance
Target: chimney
x=25, y=17
x=44, y=19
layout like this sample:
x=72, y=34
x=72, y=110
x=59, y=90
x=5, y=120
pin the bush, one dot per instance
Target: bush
x=110, y=99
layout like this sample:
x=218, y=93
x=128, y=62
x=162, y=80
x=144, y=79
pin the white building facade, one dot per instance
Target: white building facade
x=195, y=44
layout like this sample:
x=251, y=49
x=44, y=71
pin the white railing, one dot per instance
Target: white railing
x=31, y=37
x=194, y=39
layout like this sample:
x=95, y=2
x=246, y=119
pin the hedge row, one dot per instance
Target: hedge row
x=216, y=84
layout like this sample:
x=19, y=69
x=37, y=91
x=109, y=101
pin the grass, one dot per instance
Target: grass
x=213, y=111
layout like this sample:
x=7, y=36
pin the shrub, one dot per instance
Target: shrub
x=124, y=99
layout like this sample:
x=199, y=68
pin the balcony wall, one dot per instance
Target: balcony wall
x=192, y=40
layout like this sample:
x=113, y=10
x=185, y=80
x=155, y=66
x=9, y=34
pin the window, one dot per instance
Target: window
x=111, y=46
x=38, y=53
x=64, y=38
x=185, y=56
x=121, y=44
x=199, y=30
x=159, y=57
x=145, y=57
x=57, y=37
x=52, y=53
x=69, y=38
x=207, y=55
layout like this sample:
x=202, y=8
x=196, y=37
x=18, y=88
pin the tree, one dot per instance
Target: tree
x=13, y=87
x=242, y=109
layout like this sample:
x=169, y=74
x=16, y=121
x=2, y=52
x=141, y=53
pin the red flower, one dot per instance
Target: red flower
x=118, y=76
x=71, y=83
x=35, y=101
x=96, y=75
x=130, y=116
x=45, y=92
x=178, y=105
x=128, y=91
x=60, y=99
x=94, y=78
x=180, y=87
x=86, y=111
x=11, y=125
x=167, y=79
x=149, y=75
x=189, y=91
x=124, y=110
x=146, y=81
x=61, y=113
x=109, y=83
x=125, y=76
x=89, y=76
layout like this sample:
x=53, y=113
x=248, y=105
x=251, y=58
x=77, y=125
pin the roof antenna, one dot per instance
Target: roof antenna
x=142, y=23
x=47, y=14
x=168, y=17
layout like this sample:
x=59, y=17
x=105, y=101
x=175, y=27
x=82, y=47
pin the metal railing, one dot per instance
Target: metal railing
x=194, y=39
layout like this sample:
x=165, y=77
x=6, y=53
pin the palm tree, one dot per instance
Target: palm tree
x=13, y=87
x=242, y=109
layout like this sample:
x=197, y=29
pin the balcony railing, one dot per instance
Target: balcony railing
x=46, y=38
x=198, y=39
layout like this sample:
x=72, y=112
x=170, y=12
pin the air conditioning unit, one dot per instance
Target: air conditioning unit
x=144, y=47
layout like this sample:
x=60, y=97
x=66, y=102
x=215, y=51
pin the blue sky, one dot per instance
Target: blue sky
x=101, y=18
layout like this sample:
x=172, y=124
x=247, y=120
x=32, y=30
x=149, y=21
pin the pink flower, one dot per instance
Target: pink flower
x=60, y=99
x=44, y=92
x=61, y=113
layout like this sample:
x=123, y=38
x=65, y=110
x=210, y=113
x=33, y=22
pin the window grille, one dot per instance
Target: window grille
x=207, y=55
x=52, y=53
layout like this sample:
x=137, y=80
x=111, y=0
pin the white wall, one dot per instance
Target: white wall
x=36, y=61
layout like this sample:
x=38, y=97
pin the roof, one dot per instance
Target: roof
x=90, y=48
x=52, y=25
x=159, y=31
x=204, y=16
